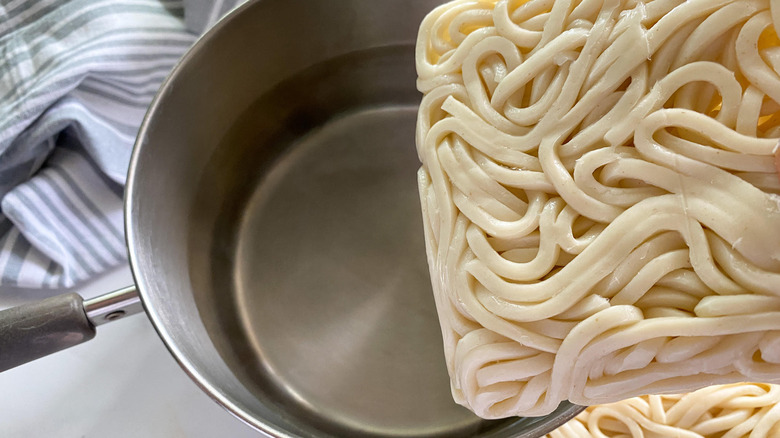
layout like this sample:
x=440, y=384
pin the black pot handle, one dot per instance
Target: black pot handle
x=34, y=330
x=37, y=329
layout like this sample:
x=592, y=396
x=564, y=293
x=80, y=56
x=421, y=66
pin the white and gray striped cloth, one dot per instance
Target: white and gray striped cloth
x=76, y=77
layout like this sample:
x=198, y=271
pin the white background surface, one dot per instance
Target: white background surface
x=123, y=383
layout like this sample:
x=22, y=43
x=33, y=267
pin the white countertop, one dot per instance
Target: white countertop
x=123, y=383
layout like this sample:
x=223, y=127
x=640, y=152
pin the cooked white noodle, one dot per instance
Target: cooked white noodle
x=600, y=198
x=724, y=411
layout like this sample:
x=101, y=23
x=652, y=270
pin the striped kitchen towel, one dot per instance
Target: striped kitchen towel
x=76, y=77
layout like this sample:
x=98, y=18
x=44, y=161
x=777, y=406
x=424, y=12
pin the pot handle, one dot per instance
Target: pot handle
x=37, y=329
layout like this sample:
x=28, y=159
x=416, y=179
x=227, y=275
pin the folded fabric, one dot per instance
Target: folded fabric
x=76, y=78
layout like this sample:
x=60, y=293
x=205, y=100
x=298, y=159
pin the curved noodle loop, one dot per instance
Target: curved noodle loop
x=600, y=200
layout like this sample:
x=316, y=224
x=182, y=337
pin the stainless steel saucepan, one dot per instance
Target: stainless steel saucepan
x=274, y=231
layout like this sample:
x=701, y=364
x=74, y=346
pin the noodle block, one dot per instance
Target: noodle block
x=600, y=197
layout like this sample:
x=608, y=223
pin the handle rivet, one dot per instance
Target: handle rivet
x=115, y=315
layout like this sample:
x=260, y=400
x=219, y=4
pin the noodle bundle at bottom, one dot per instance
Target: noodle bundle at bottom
x=723, y=411
x=599, y=197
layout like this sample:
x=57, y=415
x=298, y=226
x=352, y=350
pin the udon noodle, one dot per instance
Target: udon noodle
x=599, y=197
x=723, y=411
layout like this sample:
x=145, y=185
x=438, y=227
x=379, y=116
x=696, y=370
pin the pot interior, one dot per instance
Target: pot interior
x=325, y=305
x=281, y=256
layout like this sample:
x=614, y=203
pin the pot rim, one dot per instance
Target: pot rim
x=131, y=238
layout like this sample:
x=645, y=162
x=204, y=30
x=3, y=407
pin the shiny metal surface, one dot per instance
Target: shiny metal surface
x=274, y=227
x=332, y=288
x=113, y=305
